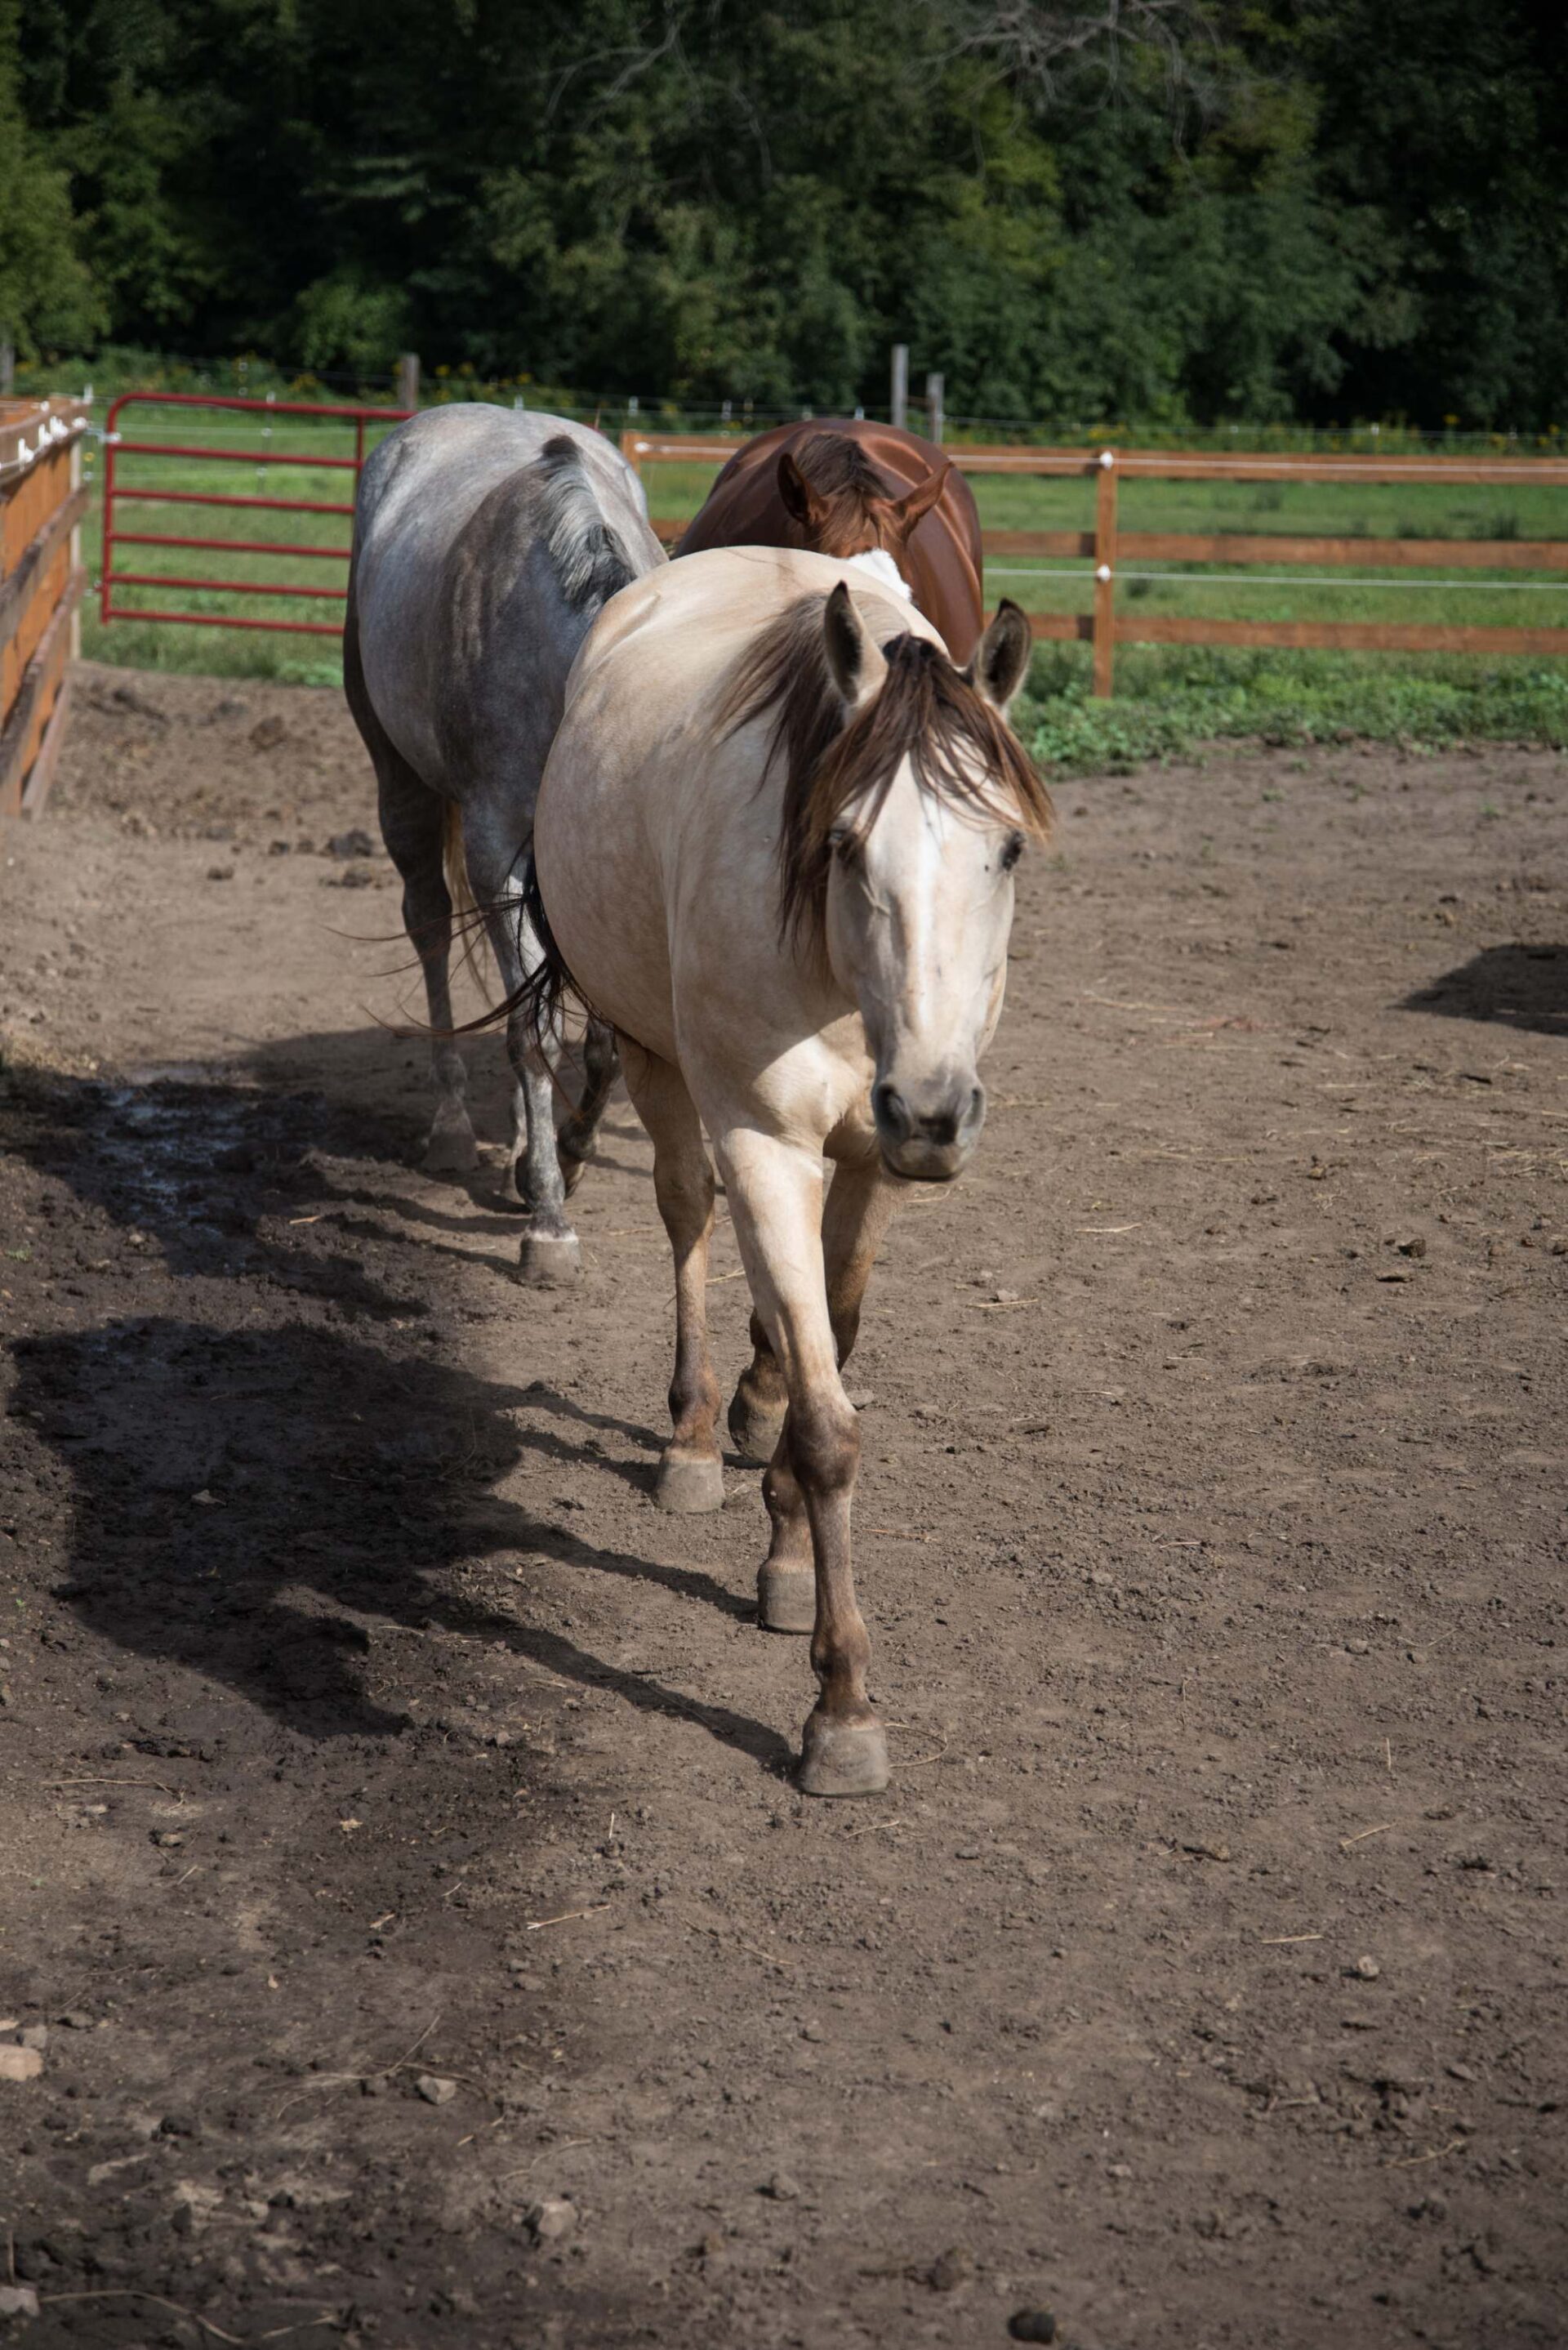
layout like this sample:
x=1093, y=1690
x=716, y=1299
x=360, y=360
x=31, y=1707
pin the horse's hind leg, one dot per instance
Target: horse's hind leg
x=691, y=1474
x=549, y=1254
x=758, y=1406
x=579, y=1138
x=412, y=820
x=412, y=825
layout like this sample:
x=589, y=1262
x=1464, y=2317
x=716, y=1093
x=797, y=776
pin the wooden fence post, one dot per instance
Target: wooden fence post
x=1105, y=575
x=899, y=405
x=74, y=564
x=409, y=380
x=935, y=387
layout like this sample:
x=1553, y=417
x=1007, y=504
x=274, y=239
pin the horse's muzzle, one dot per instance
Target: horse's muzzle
x=927, y=1131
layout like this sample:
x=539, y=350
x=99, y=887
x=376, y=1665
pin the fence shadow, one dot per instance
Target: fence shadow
x=1523, y=987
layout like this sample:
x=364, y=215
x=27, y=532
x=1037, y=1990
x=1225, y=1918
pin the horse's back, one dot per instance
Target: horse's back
x=448, y=529
x=745, y=508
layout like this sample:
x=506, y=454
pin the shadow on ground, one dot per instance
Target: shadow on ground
x=253, y=1503
x=218, y=1164
x=1525, y=987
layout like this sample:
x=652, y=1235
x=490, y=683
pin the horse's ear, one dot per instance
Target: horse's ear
x=796, y=491
x=1001, y=660
x=854, y=656
x=913, y=507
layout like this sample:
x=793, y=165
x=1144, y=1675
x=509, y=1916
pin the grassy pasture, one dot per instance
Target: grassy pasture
x=1167, y=697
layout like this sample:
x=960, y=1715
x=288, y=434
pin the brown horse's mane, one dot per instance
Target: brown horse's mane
x=838, y=769
x=846, y=484
x=832, y=461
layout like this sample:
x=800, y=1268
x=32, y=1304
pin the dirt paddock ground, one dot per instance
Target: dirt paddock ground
x=397, y=1842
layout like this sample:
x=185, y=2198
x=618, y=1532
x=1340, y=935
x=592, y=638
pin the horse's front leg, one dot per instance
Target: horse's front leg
x=860, y=1204
x=691, y=1472
x=775, y=1199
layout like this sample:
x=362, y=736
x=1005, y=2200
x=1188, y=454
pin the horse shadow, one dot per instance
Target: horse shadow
x=1522, y=986
x=246, y=1502
x=194, y=1157
x=348, y=1481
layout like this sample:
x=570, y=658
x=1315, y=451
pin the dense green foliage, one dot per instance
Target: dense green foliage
x=1171, y=211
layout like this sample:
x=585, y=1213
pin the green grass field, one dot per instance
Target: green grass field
x=1166, y=698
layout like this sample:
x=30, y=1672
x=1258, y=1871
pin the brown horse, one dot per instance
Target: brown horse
x=861, y=493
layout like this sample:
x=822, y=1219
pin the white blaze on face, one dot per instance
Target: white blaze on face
x=883, y=570
x=921, y=921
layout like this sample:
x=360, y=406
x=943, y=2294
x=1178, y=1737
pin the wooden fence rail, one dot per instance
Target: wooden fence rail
x=42, y=502
x=1106, y=548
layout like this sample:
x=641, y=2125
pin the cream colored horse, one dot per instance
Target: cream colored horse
x=774, y=846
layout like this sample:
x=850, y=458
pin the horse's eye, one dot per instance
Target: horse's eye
x=838, y=840
x=1013, y=852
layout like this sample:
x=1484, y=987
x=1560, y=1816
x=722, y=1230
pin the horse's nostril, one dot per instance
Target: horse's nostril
x=891, y=1110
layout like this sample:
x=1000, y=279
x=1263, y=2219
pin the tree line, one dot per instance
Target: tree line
x=1170, y=212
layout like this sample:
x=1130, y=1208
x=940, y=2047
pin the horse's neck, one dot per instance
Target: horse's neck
x=883, y=570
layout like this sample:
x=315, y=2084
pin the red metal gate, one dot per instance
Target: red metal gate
x=153, y=491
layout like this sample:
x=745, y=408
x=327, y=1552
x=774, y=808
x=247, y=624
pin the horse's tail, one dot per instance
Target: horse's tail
x=468, y=915
x=590, y=560
x=549, y=987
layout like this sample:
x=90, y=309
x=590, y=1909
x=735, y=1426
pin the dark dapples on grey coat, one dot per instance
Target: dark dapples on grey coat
x=486, y=542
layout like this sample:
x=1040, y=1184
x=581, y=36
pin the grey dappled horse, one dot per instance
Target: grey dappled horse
x=486, y=542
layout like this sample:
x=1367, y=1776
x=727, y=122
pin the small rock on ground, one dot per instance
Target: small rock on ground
x=435, y=2091
x=553, y=2218
x=1032, y=2326
x=20, y=2064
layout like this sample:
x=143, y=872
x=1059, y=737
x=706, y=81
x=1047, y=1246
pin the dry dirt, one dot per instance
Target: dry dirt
x=1200, y=1979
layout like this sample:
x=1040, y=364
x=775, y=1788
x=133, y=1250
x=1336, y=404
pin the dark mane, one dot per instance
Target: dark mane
x=962, y=751
x=832, y=462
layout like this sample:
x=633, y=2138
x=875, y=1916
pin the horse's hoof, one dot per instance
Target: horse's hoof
x=689, y=1483
x=452, y=1149
x=787, y=1598
x=549, y=1260
x=572, y=1169
x=842, y=1758
x=754, y=1426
